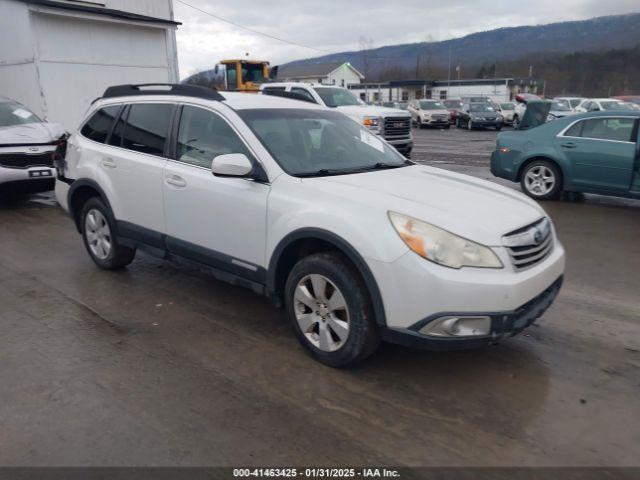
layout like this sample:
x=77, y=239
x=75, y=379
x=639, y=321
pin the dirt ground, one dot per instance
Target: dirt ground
x=162, y=365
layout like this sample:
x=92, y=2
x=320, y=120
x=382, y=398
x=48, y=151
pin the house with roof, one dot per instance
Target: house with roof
x=334, y=73
x=56, y=56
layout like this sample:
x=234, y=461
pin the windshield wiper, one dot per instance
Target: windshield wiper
x=323, y=172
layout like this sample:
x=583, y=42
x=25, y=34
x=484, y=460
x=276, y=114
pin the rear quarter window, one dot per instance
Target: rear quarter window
x=99, y=125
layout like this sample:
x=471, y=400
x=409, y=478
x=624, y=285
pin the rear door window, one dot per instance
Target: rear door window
x=99, y=125
x=618, y=129
x=147, y=127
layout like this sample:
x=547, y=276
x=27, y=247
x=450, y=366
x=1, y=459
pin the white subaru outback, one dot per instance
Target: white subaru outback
x=303, y=204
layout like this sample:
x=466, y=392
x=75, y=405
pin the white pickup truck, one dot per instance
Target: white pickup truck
x=392, y=124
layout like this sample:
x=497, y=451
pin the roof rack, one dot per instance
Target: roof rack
x=163, y=89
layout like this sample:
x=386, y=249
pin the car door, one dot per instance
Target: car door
x=601, y=152
x=134, y=167
x=219, y=221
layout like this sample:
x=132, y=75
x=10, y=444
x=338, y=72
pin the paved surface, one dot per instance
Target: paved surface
x=161, y=365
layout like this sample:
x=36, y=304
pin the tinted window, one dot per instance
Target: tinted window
x=575, y=130
x=147, y=127
x=608, y=129
x=118, y=131
x=304, y=93
x=619, y=129
x=203, y=135
x=99, y=125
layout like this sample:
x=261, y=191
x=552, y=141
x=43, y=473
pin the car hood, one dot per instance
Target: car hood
x=31, y=133
x=361, y=111
x=472, y=208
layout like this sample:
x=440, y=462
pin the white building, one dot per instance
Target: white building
x=56, y=56
x=496, y=89
x=340, y=74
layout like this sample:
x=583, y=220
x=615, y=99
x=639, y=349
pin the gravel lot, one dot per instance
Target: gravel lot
x=161, y=365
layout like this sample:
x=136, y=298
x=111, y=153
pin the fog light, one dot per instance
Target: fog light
x=452, y=326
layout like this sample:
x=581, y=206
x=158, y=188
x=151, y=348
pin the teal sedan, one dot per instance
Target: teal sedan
x=595, y=152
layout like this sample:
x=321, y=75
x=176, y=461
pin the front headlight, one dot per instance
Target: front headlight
x=442, y=247
x=371, y=122
x=500, y=118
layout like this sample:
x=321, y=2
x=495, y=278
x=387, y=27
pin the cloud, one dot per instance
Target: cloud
x=336, y=25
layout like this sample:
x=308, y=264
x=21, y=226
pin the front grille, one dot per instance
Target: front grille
x=530, y=245
x=438, y=117
x=397, y=127
x=25, y=160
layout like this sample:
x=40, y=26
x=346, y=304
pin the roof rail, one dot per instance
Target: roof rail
x=163, y=89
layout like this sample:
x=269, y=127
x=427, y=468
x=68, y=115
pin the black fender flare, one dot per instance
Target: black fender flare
x=345, y=248
x=75, y=186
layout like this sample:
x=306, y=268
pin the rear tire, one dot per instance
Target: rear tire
x=100, y=239
x=335, y=323
x=542, y=180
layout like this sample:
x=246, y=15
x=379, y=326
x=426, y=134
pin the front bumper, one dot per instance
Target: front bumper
x=18, y=176
x=414, y=289
x=487, y=123
x=503, y=324
x=434, y=122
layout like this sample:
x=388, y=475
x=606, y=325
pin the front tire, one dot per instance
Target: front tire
x=100, y=239
x=542, y=180
x=329, y=307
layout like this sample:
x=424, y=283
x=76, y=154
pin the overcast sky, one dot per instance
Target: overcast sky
x=338, y=25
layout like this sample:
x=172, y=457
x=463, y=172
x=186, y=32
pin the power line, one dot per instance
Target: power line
x=251, y=29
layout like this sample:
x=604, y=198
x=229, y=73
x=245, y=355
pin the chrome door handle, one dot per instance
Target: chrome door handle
x=175, y=181
x=108, y=162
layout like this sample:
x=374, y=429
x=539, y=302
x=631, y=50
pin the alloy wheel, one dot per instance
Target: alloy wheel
x=540, y=180
x=98, y=234
x=321, y=312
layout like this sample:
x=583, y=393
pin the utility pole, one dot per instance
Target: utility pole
x=449, y=69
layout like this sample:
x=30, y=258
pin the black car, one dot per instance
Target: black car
x=479, y=115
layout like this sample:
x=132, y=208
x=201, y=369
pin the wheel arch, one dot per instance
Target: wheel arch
x=306, y=241
x=534, y=158
x=81, y=191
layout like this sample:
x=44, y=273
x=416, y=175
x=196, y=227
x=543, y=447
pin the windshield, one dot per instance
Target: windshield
x=481, y=107
x=318, y=143
x=560, y=106
x=507, y=106
x=612, y=105
x=337, y=97
x=427, y=105
x=453, y=103
x=12, y=114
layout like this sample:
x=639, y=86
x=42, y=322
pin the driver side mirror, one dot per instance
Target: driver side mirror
x=232, y=165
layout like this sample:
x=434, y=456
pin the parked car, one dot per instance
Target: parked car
x=28, y=146
x=571, y=102
x=631, y=106
x=453, y=106
x=507, y=110
x=594, y=152
x=629, y=98
x=479, y=115
x=392, y=124
x=600, y=104
x=559, y=109
x=300, y=203
x=428, y=113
